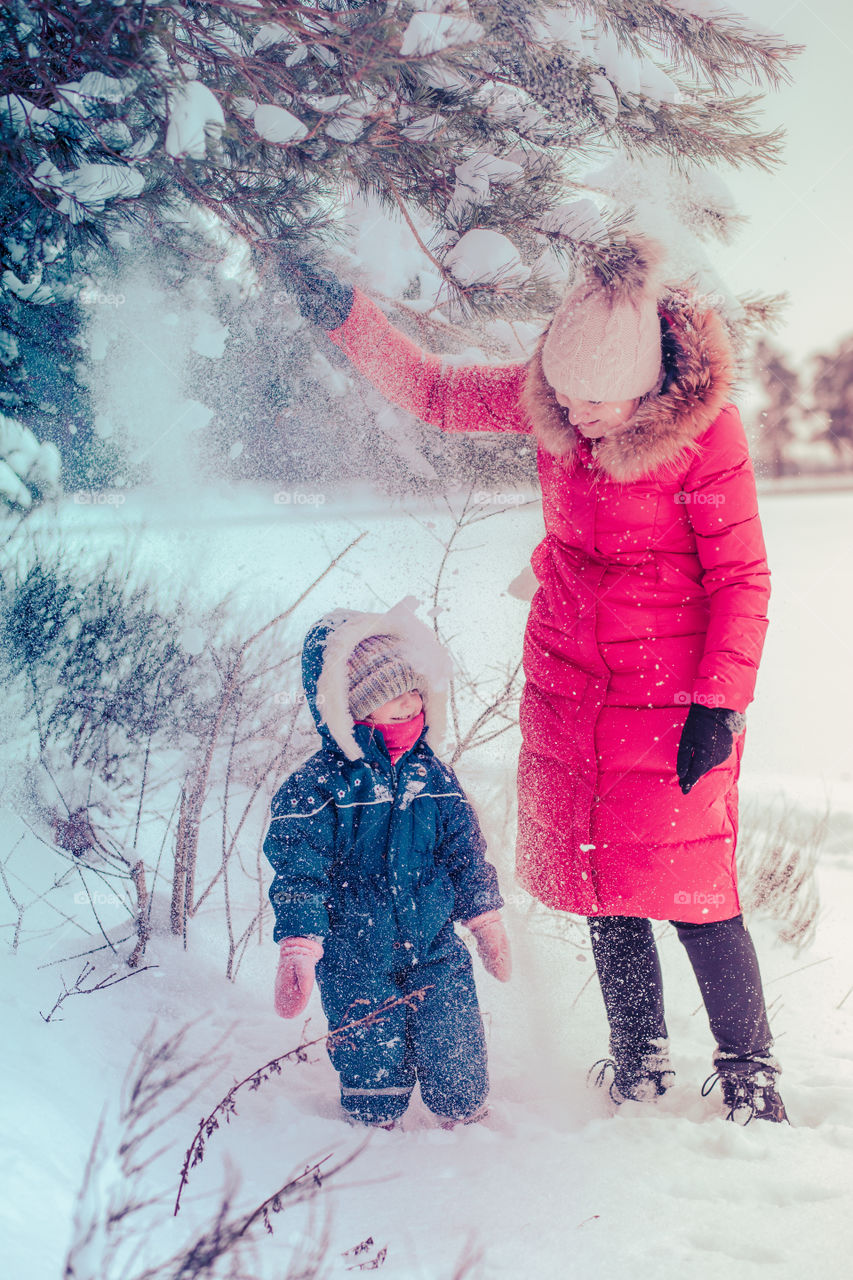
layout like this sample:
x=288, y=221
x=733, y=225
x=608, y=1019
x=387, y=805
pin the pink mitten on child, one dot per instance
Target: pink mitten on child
x=294, y=980
x=492, y=944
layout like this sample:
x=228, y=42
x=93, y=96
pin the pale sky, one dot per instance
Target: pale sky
x=800, y=235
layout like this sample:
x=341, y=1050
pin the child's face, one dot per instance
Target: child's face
x=405, y=707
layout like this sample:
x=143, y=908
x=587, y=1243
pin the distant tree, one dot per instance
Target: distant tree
x=832, y=397
x=783, y=408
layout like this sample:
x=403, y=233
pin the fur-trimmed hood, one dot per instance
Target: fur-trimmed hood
x=324, y=669
x=668, y=422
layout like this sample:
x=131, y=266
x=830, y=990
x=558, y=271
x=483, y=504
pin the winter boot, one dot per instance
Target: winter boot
x=749, y=1087
x=451, y=1122
x=358, y=1123
x=638, y=1073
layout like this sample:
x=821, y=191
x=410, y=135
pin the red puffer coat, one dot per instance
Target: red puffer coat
x=653, y=590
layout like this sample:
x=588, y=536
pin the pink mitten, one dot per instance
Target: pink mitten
x=492, y=944
x=295, y=978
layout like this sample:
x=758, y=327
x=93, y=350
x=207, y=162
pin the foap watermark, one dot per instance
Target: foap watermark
x=98, y=899
x=298, y=498
x=708, y=301
x=698, y=898
x=700, y=499
x=99, y=498
x=91, y=297
x=511, y=900
x=500, y=499
x=292, y=698
x=683, y=698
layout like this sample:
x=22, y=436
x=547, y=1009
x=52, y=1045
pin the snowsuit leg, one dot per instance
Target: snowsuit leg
x=437, y=1039
x=723, y=957
x=374, y=1061
x=446, y=1033
x=629, y=972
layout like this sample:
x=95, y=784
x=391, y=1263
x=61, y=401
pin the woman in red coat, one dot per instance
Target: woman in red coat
x=642, y=644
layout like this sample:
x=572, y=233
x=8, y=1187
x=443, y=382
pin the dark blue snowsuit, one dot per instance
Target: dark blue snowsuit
x=379, y=860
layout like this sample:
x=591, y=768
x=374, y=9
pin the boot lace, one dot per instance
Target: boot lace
x=628, y=1080
x=605, y=1065
x=748, y=1089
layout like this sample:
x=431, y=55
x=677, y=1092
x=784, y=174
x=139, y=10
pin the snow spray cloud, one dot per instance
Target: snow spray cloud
x=144, y=338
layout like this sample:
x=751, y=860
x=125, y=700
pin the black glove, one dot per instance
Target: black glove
x=317, y=292
x=706, y=741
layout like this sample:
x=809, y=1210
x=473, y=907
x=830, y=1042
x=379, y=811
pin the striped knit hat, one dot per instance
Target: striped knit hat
x=377, y=672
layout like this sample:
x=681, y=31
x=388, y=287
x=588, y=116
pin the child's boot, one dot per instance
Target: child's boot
x=450, y=1122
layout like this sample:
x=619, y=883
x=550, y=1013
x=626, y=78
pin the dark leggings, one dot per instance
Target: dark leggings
x=726, y=967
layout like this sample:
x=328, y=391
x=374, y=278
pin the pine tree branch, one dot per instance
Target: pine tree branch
x=723, y=48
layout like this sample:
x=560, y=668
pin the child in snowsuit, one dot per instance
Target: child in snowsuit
x=376, y=852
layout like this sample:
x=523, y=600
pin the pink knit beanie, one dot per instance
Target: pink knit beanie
x=604, y=342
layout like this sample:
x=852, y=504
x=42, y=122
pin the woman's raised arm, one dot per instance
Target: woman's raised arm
x=454, y=397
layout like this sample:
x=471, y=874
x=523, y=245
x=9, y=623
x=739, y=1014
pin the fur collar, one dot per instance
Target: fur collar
x=666, y=426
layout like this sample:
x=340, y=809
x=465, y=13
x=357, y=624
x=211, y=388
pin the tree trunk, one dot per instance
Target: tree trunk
x=143, y=931
x=177, y=910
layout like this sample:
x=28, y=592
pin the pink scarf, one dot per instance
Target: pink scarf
x=401, y=735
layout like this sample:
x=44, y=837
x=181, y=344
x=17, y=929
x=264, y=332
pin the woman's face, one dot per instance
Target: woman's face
x=597, y=418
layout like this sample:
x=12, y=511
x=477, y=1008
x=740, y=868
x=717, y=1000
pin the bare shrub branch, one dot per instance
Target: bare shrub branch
x=77, y=988
x=777, y=862
x=226, y=1107
x=112, y=1229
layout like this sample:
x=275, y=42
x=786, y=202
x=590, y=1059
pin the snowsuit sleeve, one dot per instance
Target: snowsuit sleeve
x=462, y=851
x=721, y=502
x=299, y=844
x=479, y=397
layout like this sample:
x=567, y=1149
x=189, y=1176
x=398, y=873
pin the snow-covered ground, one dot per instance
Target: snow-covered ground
x=552, y=1183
